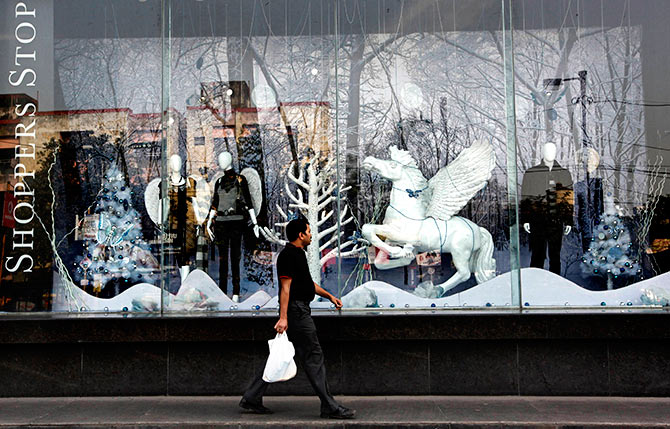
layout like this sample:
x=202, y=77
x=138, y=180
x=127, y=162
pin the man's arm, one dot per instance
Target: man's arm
x=282, y=324
x=324, y=293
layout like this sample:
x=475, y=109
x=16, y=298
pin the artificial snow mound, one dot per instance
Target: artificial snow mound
x=539, y=288
x=198, y=293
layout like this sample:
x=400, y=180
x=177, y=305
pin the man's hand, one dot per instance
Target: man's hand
x=337, y=302
x=281, y=325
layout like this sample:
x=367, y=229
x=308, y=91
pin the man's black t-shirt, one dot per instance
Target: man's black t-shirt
x=292, y=263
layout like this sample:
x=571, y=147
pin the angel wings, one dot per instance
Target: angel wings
x=202, y=195
x=454, y=185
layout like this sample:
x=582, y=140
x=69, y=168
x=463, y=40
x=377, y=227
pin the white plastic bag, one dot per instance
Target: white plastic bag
x=280, y=365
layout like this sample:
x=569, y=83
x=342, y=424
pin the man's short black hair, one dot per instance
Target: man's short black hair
x=295, y=227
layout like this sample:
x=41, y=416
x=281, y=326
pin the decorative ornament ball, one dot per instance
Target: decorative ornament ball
x=601, y=235
x=432, y=304
x=123, y=188
x=392, y=305
x=622, y=269
x=615, y=252
x=595, y=271
x=125, y=308
x=606, y=227
x=603, y=303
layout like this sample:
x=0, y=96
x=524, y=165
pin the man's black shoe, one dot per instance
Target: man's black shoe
x=341, y=413
x=254, y=408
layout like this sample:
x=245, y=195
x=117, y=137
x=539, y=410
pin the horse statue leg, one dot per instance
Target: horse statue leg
x=462, y=263
x=462, y=242
x=398, y=256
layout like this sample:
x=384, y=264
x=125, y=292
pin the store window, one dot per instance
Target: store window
x=486, y=155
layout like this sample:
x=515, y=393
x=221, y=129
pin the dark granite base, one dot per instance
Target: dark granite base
x=473, y=367
x=563, y=367
x=627, y=354
x=124, y=369
x=40, y=370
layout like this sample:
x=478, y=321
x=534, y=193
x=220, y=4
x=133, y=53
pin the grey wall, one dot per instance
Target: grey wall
x=608, y=354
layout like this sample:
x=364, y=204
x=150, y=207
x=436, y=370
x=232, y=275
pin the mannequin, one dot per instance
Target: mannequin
x=181, y=220
x=231, y=204
x=546, y=208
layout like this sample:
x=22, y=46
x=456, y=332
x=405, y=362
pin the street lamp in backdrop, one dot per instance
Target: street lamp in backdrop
x=585, y=214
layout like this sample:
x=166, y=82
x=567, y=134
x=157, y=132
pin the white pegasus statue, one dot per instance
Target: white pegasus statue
x=420, y=216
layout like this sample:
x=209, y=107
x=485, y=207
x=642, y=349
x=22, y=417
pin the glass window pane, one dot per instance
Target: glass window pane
x=253, y=85
x=80, y=141
x=422, y=140
x=591, y=107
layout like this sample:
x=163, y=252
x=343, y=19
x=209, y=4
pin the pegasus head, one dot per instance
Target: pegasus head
x=400, y=165
x=388, y=169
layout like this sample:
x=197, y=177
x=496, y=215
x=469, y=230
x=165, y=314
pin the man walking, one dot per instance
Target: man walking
x=296, y=291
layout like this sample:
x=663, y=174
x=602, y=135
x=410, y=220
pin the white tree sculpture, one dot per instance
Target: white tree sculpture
x=313, y=198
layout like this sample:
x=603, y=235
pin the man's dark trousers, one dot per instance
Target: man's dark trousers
x=228, y=236
x=302, y=333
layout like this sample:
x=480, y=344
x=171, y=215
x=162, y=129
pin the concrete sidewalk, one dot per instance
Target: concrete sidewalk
x=303, y=412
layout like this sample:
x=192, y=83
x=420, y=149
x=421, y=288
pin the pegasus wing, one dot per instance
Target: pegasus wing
x=454, y=185
x=151, y=200
x=254, y=182
x=202, y=199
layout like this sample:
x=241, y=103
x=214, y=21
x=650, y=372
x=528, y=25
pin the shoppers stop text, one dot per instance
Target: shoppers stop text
x=23, y=76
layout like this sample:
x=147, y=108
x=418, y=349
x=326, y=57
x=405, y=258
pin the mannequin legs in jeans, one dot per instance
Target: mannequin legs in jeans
x=229, y=237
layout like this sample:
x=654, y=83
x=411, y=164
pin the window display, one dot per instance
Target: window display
x=151, y=166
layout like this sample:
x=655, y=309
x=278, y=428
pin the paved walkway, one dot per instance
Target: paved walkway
x=302, y=412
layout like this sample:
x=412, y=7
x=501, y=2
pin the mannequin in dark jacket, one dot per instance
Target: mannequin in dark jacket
x=230, y=222
x=547, y=208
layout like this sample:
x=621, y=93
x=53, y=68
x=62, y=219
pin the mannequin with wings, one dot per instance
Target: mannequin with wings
x=235, y=199
x=187, y=202
x=421, y=214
